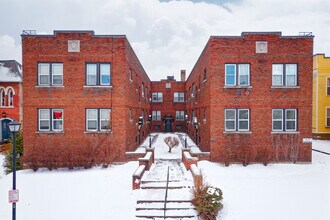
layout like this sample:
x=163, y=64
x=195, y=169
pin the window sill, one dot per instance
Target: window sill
x=97, y=87
x=6, y=106
x=97, y=132
x=237, y=87
x=204, y=80
x=237, y=132
x=285, y=87
x=285, y=132
x=131, y=80
x=49, y=132
x=49, y=86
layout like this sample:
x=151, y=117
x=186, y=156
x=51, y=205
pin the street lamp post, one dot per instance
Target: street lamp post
x=185, y=142
x=14, y=127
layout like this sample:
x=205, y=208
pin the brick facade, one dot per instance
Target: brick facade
x=259, y=143
x=130, y=96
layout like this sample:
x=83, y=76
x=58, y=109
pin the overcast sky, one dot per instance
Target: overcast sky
x=166, y=35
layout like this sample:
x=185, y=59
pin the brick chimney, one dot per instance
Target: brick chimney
x=183, y=75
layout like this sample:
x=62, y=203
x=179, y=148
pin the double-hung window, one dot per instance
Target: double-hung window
x=50, y=74
x=237, y=120
x=50, y=119
x=179, y=115
x=98, y=74
x=179, y=97
x=237, y=74
x=328, y=86
x=156, y=115
x=142, y=90
x=284, y=120
x=98, y=119
x=157, y=97
x=328, y=117
x=284, y=75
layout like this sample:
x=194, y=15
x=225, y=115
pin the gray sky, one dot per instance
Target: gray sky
x=166, y=35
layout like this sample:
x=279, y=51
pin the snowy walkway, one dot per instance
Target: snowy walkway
x=151, y=197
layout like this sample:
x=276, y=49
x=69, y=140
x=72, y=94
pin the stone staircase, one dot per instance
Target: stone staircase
x=154, y=188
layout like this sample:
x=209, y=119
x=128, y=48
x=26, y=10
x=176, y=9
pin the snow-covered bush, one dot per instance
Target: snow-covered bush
x=207, y=200
x=171, y=142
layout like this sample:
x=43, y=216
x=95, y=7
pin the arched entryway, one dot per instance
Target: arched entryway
x=4, y=129
x=168, y=119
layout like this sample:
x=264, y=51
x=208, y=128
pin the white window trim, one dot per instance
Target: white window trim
x=156, y=96
x=109, y=121
x=49, y=119
x=181, y=118
x=239, y=74
x=327, y=85
x=53, y=120
x=156, y=118
x=327, y=116
x=286, y=74
x=10, y=99
x=100, y=74
x=230, y=120
x=179, y=96
x=295, y=120
x=231, y=64
x=39, y=74
x=248, y=119
x=52, y=66
x=281, y=120
x=87, y=119
x=2, y=97
x=276, y=74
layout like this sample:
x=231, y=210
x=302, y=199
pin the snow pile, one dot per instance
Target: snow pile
x=276, y=191
x=7, y=74
x=2, y=169
x=321, y=145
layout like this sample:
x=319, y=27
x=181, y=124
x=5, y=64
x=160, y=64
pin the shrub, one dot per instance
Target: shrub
x=207, y=200
x=8, y=163
x=171, y=142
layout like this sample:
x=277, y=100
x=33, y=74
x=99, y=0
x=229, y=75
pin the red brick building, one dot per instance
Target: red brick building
x=247, y=98
x=10, y=95
x=252, y=98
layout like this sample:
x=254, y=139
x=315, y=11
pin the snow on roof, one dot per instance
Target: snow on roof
x=10, y=71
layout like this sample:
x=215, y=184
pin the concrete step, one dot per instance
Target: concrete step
x=160, y=205
x=179, y=213
x=168, y=218
x=171, y=185
x=158, y=195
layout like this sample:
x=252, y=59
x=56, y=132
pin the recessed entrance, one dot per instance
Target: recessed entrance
x=168, y=119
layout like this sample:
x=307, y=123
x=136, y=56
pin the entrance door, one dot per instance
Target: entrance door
x=168, y=125
x=5, y=129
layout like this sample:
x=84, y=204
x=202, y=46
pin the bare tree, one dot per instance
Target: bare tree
x=171, y=142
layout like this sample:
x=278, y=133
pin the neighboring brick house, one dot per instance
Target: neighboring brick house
x=83, y=97
x=247, y=98
x=252, y=98
x=10, y=95
x=321, y=97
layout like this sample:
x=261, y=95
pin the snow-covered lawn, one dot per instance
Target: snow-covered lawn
x=276, y=191
x=273, y=192
x=2, y=169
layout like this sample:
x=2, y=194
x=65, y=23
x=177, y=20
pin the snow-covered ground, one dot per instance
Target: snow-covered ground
x=2, y=169
x=273, y=192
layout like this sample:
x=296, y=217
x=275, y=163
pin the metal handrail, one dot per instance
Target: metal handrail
x=166, y=191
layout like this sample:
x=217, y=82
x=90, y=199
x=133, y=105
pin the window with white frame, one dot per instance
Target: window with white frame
x=237, y=74
x=98, y=74
x=130, y=115
x=156, y=115
x=284, y=119
x=157, y=97
x=204, y=75
x=204, y=115
x=2, y=97
x=328, y=86
x=328, y=117
x=98, y=119
x=130, y=74
x=179, y=115
x=10, y=97
x=142, y=90
x=178, y=96
x=50, y=74
x=192, y=90
x=50, y=119
x=284, y=74
x=237, y=119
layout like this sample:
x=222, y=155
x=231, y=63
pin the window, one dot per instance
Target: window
x=204, y=115
x=284, y=120
x=156, y=115
x=98, y=119
x=10, y=97
x=130, y=115
x=2, y=97
x=237, y=74
x=204, y=78
x=179, y=115
x=328, y=117
x=50, y=119
x=98, y=74
x=50, y=74
x=179, y=97
x=142, y=90
x=192, y=90
x=157, y=97
x=130, y=74
x=284, y=75
x=328, y=86
x=237, y=120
